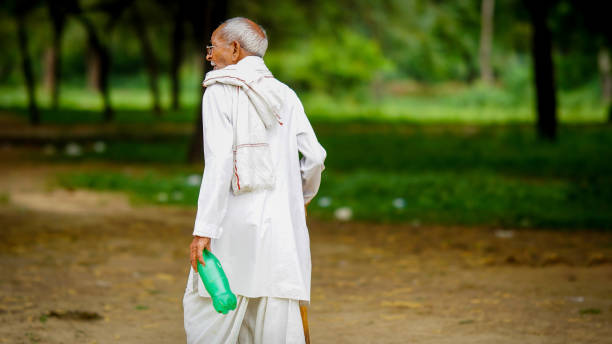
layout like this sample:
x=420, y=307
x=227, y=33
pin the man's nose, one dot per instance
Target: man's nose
x=208, y=56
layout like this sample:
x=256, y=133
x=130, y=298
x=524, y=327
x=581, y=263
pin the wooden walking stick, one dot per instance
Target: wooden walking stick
x=304, y=314
x=303, y=308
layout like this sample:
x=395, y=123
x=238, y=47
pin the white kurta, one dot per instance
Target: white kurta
x=260, y=238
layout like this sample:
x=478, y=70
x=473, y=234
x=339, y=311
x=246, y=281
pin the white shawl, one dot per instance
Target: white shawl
x=253, y=168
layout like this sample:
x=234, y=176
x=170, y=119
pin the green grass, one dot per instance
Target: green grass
x=446, y=154
x=468, y=198
x=474, y=198
x=151, y=186
x=94, y=116
x=439, y=104
x=580, y=151
x=127, y=93
x=495, y=176
x=167, y=151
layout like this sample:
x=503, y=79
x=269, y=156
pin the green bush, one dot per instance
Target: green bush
x=330, y=64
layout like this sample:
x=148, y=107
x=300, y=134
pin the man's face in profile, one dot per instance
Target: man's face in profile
x=220, y=54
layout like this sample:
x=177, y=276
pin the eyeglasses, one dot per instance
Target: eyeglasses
x=209, y=48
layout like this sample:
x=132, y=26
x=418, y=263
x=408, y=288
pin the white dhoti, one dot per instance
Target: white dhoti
x=261, y=320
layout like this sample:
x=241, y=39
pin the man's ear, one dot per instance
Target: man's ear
x=235, y=51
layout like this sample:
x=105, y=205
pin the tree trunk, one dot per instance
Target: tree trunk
x=543, y=70
x=53, y=71
x=605, y=71
x=53, y=63
x=49, y=69
x=196, y=148
x=93, y=68
x=486, y=40
x=104, y=89
x=98, y=67
x=214, y=14
x=26, y=64
x=176, y=51
x=149, y=56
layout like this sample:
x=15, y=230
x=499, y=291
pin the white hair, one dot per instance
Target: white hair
x=239, y=29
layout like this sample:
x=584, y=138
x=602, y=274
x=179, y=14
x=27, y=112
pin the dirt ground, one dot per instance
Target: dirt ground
x=85, y=267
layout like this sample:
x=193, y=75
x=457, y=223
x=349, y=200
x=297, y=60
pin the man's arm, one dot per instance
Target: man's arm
x=313, y=156
x=217, y=177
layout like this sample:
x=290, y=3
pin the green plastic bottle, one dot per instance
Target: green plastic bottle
x=216, y=283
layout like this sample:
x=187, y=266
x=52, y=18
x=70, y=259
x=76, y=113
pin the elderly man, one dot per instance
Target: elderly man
x=251, y=208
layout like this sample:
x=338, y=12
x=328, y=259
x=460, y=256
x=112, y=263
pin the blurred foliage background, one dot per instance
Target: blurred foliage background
x=426, y=108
